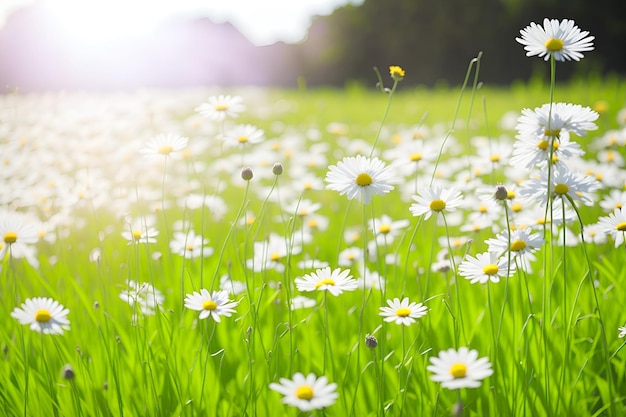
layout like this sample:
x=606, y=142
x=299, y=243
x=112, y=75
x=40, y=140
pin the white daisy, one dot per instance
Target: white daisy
x=144, y=295
x=564, y=183
x=551, y=120
x=403, y=312
x=435, y=199
x=44, y=315
x=189, y=245
x=220, y=107
x=459, y=369
x=563, y=40
x=17, y=236
x=306, y=392
x=163, y=146
x=360, y=177
x=242, y=135
x=614, y=225
x=522, y=242
x=214, y=305
x=335, y=282
x=386, y=229
x=485, y=267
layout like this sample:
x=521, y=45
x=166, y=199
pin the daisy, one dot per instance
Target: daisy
x=189, y=245
x=459, y=369
x=562, y=40
x=349, y=256
x=44, y=315
x=485, y=267
x=335, y=282
x=163, y=146
x=614, y=225
x=360, y=177
x=564, y=184
x=306, y=392
x=523, y=242
x=403, y=312
x=271, y=253
x=435, y=200
x=212, y=305
x=386, y=229
x=615, y=199
x=16, y=237
x=140, y=231
x=220, y=107
x=243, y=135
x=144, y=295
x=552, y=119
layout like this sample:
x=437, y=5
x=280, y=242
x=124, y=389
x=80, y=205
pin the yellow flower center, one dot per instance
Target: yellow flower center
x=384, y=229
x=275, y=256
x=304, y=392
x=190, y=248
x=518, y=245
x=458, y=370
x=325, y=281
x=416, y=157
x=242, y=139
x=510, y=195
x=313, y=224
x=136, y=234
x=437, y=205
x=618, y=205
x=10, y=237
x=494, y=158
x=491, y=269
x=561, y=189
x=554, y=44
x=221, y=107
x=543, y=145
x=363, y=180
x=209, y=305
x=555, y=133
x=43, y=315
x=621, y=227
x=403, y=312
x=165, y=150
x=482, y=208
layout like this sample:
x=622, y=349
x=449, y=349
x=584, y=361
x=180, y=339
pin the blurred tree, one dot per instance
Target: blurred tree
x=435, y=40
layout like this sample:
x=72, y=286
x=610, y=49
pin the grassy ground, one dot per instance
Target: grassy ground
x=73, y=167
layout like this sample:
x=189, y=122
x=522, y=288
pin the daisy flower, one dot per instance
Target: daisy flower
x=163, y=146
x=140, y=231
x=214, y=305
x=16, y=237
x=360, y=177
x=551, y=120
x=435, y=200
x=386, y=229
x=564, y=184
x=335, y=282
x=144, y=295
x=220, y=107
x=484, y=267
x=403, y=312
x=459, y=369
x=563, y=40
x=189, y=245
x=243, y=135
x=614, y=225
x=306, y=392
x=44, y=315
x=523, y=242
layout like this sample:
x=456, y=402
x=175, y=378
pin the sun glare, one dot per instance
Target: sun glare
x=101, y=21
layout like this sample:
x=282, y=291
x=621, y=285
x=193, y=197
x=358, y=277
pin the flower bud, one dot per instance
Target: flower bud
x=246, y=173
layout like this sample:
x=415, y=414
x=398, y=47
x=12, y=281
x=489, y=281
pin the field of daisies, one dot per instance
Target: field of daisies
x=357, y=252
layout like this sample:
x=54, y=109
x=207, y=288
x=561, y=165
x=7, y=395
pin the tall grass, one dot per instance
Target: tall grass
x=542, y=330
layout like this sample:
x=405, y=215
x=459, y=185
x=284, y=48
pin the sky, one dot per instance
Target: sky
x=263, y=22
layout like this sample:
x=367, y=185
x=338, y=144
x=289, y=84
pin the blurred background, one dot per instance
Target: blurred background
x=97, y=45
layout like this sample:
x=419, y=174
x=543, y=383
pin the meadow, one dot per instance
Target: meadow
x=205, y=248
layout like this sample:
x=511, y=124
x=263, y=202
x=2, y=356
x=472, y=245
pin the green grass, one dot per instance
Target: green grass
x=542, y=331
